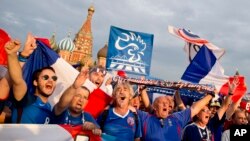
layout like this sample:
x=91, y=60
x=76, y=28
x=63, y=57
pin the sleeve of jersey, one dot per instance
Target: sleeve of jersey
x=187, y=133
x=183, y=116
x=97, y=102
x=89, y=118
x=142, y=115
x=215, y=122
x=138, y=132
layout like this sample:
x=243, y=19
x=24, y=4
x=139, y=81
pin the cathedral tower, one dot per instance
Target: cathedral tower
x=84, y=42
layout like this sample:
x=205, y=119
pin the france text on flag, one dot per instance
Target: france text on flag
x=194, y=42
x=205, y=69
x=130, y=51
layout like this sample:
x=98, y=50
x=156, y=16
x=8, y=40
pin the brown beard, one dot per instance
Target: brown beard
x=41, y=93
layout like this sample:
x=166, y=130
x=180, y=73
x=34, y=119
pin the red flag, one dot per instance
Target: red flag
x=45, y=41
x=4, y=38
x=76, y=131
x=97, y=102
x=245, y=105
x=239, y=91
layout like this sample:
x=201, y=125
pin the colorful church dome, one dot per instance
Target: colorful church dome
x=66, y=44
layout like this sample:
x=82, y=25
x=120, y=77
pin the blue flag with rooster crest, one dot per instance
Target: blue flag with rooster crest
x=130, y=51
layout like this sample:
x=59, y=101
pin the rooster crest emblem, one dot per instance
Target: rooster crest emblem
x=134, y=45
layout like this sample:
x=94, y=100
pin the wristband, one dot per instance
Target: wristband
x=22, y=58
x=211, y=93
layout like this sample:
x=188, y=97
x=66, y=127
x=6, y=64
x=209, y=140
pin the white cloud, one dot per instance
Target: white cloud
x=11, y=19
x=42, y=20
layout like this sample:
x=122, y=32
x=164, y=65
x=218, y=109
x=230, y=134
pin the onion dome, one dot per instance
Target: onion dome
x=52, y=42
x=91, y=9
x=103, y=52
x=66, y=44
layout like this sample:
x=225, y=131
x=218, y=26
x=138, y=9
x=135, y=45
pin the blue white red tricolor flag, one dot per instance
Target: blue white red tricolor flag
x=130, y=51
x=194, y=42
x=206, y=69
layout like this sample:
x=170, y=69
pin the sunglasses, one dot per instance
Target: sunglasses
x=206, y=111
x=103, y=71
x=46, y=77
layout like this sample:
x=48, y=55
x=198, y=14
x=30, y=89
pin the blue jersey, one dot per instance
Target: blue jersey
x=168, y=129
x=123, y=128
x=216, y=126
x=36, y=113
x=66, y=118
x=213, y=130
x=193, y=132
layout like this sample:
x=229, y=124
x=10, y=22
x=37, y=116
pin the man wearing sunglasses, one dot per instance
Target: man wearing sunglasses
x=101, y=91
x=37, y=110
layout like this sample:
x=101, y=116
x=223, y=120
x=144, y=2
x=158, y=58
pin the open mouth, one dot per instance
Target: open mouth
x=165, y=109
x=79, y=105
x=206, y=117
x=97, y=83
x=48, y=86
x=123, y=98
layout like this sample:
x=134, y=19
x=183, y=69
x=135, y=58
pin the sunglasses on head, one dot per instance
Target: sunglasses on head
x=99, y=70
x=46, y=77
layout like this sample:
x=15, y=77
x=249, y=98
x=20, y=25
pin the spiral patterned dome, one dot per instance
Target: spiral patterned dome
x=66, y=44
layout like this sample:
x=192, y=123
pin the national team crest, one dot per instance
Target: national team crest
x=131, y=121
x=129, y=51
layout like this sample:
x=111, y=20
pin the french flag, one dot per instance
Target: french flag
x=44, y=56
x=206, y=69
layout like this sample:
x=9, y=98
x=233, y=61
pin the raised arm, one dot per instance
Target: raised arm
x=197, y=106
x=231, y=109
x=29, y=47
x=69, y=93
x=179, y=101
x=145, y=99
x=15, y=71
x=227, y=101
x=234, y=105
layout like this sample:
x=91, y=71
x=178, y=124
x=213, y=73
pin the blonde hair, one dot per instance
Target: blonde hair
x=124, y=84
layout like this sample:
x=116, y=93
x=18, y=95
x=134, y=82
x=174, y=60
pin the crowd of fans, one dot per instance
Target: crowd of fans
x=127, y=114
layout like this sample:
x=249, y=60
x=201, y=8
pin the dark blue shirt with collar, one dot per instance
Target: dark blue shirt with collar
x=35, y=113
